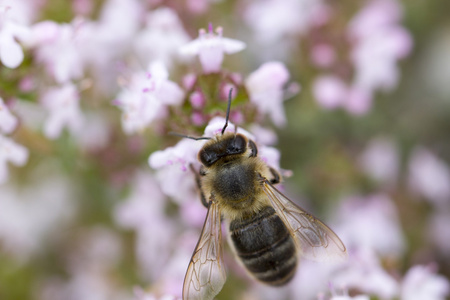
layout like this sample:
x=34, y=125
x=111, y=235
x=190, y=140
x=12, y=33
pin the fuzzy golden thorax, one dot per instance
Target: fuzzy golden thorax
x=232, y=175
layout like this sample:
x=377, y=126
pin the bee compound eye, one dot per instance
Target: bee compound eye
x=208, y=157
x=237, y=145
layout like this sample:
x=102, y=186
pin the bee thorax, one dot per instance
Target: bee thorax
x=235, y=185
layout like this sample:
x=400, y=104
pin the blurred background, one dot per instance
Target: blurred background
x=350, y=100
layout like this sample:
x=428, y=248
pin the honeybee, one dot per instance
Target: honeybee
x=267, y=231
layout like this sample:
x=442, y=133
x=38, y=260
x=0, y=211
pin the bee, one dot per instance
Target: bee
x=267, y=231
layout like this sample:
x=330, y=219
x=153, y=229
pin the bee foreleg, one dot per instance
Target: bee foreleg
x=199, y=184
x=276, y=176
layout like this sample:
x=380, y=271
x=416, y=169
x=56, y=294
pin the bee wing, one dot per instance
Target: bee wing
x=313, y=238
x=206, y=276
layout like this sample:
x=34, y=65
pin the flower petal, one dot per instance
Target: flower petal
x=11, y=53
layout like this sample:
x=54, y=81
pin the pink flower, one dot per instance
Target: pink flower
x=379, y=43
x=113, y=27
x=364, y=272
x=12, y=152
x=263, y=135
x=265, y=86
x=146, y=98
x=323, y=55
x=197, y=99
x=357, y=216
x=8, y=121
x=270, y=155
x=144, y=212
x=198, y=6
x=108, y=40
x=11, y=54
x=330, y=91
x=429, y=176
x=145, y=202
x=82, y=7
x=359, y=100
x=210, y=48
x=189, y=81
x=375, y=14
x=62, y=103
x=422, y=282
x=161, y=38
x=380, y=160
x=173, y=173
x=273, y=20
x=23, y=12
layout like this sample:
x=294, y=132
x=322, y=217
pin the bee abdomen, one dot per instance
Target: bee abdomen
x=265, y=247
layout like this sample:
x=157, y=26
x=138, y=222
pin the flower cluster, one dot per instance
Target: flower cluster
x=353, y=63
x=98, y=196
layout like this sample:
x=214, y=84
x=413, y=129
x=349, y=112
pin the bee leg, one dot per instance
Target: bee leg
x=199, y=183
x=276, y=176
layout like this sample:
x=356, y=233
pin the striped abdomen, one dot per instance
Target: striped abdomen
x=266, y=248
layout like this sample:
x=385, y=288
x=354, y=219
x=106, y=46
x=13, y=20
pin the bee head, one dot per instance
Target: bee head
x=227, y=145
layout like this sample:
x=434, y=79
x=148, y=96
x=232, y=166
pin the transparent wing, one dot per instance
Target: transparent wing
x=313, y=238
x=206, y=276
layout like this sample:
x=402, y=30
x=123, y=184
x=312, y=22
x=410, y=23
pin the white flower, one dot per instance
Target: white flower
x=380, y=160
x=422, y=282
x=330, y=91
x=265, y=86
x=161, y=38
x=62, y=103
x=8, y=121
x=357, y=217
x=365, y=273
x=143, y=211
x=11, y=54
x=146, y=98
x=145, y=203
x=12, y=152
x=273, y=20
x=429, y=176
x=379, y=42
x=174, y=175
x=58, y=47
x=216, y=124
x=210, y=48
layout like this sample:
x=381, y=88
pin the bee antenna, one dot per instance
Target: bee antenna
x=190, y=137
x=228, y=111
